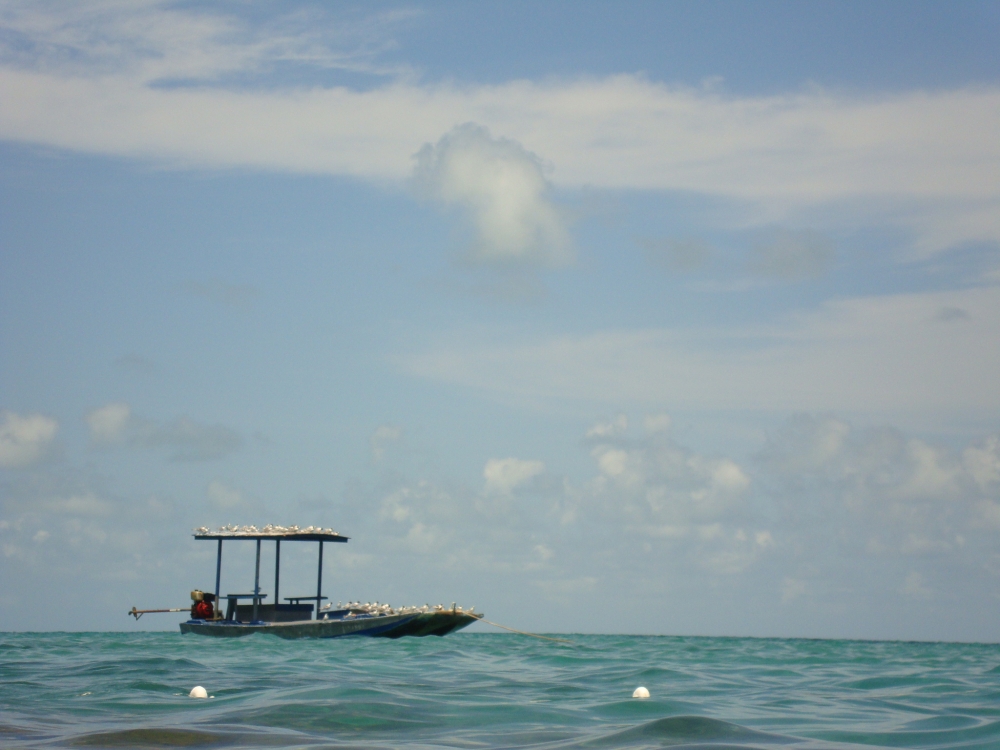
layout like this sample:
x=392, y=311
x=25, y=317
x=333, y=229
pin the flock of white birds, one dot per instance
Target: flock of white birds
x=270, y=530
x=374, y=608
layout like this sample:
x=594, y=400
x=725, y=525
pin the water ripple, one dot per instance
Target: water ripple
x=484, y=691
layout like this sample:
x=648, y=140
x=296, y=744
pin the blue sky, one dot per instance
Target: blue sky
x=688, y=311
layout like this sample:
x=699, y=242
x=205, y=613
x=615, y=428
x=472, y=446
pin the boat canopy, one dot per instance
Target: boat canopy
x=289, y=533
x=277, y=534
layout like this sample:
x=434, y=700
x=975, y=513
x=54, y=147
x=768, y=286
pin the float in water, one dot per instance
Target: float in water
x=302, y=616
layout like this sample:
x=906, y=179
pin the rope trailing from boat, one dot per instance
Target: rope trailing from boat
x=521, y=632
x=137, y=613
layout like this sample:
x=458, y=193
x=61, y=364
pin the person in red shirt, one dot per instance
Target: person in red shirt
x=202, y=608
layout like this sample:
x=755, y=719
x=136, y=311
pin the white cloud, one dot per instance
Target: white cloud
x=662, y=489
x=933, y=473
x=224, y=496
x=503, y=191
x=109, y=423
x=764, y=539
x=544, y=553
x=383, y=436
x=24, y=439
x=610, y=428
x=80, y=504
x=611, y=461
x=892, y=495
x=860, y=354
x=97, y=79
x=503, y=475
x=983, y=462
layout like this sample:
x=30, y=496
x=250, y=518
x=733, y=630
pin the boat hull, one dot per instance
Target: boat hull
x=376, y=626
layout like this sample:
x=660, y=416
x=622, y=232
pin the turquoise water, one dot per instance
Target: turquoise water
x=480, y=690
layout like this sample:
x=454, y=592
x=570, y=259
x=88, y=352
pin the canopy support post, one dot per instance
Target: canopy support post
x=277, y=566
x=319, y=581
x=256, y=584
x=218, y=578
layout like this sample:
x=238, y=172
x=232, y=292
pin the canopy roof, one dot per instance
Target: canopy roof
x=291, y=533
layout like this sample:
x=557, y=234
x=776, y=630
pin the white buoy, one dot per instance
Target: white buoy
x=640, y=692
x=198, y=692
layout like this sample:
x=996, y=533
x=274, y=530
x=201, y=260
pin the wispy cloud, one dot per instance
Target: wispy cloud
x=867, y=353
x=384, y=436
x=185, y=438
x=160, y=43
x=94, y=78
x=791, y=255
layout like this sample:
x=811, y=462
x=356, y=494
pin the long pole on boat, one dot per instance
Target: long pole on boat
x=256, y=584
x=277, y=565
x=319, y=581
x=218, y=578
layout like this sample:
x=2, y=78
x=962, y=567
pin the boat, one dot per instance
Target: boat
x=303, y=616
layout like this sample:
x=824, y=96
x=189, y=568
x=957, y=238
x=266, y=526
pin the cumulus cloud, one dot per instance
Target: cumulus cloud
x=502, y=190
x=109, y=423
x=827, y=516
x=791, y=255
x=920, y=498
x=983, y=463
x=427, y=519
x=503, y=475
x=24, y=438
x=609, y=428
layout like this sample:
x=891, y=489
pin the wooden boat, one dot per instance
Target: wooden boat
x=295, y=618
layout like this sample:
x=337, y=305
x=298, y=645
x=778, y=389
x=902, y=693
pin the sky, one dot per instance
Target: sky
x=660, y=318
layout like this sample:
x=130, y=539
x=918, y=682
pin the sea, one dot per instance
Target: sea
x=483, y=690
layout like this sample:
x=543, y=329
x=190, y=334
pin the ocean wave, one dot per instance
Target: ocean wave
x=494, y=692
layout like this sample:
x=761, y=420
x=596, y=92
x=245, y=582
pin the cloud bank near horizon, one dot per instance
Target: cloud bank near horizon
x=911, y=512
